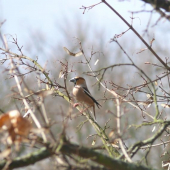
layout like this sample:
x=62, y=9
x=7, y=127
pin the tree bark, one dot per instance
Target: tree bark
x=67, y=148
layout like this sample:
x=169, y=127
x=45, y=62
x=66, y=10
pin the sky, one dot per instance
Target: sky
x=27, y=19
x=24, y=16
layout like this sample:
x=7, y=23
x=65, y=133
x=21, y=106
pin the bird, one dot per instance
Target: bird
x=82, y=94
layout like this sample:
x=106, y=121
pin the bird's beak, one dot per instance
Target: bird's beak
x=72, y=80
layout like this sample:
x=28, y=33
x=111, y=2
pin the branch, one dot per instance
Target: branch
x=150, y=140
x=101, y=133
x=68, y=149
x=164, y=4
x=138, y=35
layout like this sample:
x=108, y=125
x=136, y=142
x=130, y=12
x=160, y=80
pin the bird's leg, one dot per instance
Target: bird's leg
x=75, y=104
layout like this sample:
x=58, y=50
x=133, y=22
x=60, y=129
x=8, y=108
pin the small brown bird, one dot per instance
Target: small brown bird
x=82, y=94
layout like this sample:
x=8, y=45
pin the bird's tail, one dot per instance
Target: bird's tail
x=98, y=105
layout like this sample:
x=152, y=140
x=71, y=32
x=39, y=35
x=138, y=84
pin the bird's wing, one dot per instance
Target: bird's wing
x=86, y=91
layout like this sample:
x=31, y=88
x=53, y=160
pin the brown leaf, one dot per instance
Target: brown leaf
x=111, y=133
x=61, y=74
x=5, y=153
x=5, y=122
x=115, y=146
x=73, y=54
x=141, y=50
x=93, y=143
x=44, y=93
x=96, y=62
x=149, y=96
x=165, y=105
x=16, y=126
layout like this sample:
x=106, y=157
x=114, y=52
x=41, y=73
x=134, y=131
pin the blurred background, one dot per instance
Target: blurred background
x=43, y=28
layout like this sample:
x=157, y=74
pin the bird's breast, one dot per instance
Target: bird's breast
x=80, y=96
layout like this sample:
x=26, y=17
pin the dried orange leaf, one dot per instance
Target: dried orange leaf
x=148, y=95
x=153, y=39
x=93, y=143
x=115, y=146
x=59, y=160
x=166, y=163
x=14, y=113
x=149, y=105
x=142, y=50
x=153, y=128
x=165, y=105
x=96, y=62
x=111, y=133
x=61, y=74
x=5, y=153
x=146, y=104
x=73, y=54
x=43, y=93
x=5, y=122
x=22, y=126
x=16, y=126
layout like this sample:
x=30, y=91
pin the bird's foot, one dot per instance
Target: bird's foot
x=75, y=104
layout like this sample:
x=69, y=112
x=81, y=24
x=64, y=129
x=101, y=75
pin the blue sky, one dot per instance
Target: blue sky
x=22, y=16
x=26, y=18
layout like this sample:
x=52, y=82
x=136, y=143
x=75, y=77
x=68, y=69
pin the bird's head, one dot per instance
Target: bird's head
x=78, y=81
